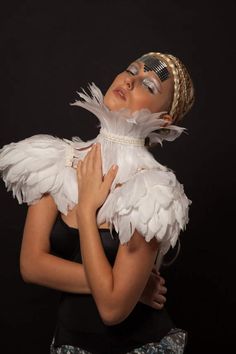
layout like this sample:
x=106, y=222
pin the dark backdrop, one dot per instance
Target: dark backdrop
x=51, y=49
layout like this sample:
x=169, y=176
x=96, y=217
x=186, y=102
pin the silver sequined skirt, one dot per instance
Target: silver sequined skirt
x=173, y=343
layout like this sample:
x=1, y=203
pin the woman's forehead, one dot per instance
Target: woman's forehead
x=152, y=63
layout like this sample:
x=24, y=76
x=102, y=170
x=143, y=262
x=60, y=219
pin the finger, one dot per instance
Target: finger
x=157, y=306
x=159, y=284
x=98, y=159
x=162, y=280
x=89, y=159
x=109, y=177
x=162, y=290
x=155, y=274
x=85, y=148
x=160, y=299
x=154, y=270
x=86, y=165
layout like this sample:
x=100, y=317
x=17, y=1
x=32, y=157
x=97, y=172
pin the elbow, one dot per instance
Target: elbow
x=115, y=309
x=114, y=316
x=112, y=321
x=24, y=274
x=27, y=271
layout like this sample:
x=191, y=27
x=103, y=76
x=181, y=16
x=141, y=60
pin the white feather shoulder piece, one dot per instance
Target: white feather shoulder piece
x=153, y=202
x=38, y=165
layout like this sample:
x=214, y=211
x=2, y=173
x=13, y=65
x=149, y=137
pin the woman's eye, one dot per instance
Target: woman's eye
x=150, y=89
x=131, y=70
x=149, y=85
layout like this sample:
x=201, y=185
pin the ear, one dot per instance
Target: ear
x=168, y=119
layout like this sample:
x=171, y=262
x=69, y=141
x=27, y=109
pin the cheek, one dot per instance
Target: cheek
x=155, y=103
x=113, y=84
x=109, y=99
x=118, y=80
x=145, y=100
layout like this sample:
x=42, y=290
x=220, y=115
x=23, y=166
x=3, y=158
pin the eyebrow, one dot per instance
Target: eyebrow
x=157, y=80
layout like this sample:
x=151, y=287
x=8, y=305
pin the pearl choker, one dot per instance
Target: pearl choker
x=122, y=139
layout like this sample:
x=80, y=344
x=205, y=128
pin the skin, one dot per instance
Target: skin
x=143, y=90
x=116, y=290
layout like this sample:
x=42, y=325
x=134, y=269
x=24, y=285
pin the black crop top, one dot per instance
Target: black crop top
x=79, y=322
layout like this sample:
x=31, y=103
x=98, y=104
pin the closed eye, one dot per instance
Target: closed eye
x=132, y=69
x=150, y=86
x=129, y=71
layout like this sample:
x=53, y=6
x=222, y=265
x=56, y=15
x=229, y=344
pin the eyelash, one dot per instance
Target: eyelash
x=150, y=89
x=130, y=72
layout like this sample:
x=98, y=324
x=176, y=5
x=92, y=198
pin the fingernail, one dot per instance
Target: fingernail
x=114, y=167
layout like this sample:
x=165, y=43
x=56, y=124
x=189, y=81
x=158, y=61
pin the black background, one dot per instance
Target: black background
x=49, y=50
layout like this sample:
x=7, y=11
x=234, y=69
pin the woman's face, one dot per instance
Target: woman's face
x=135, y=89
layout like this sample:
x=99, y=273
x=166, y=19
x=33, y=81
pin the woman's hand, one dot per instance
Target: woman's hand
x=153, y=293
x=93, y=186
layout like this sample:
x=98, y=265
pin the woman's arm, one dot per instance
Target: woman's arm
x=116, y=290
x=37, y=265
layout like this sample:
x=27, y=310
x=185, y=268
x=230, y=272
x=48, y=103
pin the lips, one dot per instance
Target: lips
x=120, y=92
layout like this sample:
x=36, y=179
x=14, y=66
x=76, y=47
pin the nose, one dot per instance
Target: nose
x=129, y=82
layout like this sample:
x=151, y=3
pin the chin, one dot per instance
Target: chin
x=112, y=105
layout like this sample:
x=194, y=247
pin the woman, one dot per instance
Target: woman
x=108, y=186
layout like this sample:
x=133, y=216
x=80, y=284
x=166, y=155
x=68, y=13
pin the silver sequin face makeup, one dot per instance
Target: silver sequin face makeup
x=152, y=84
x=152, y=63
